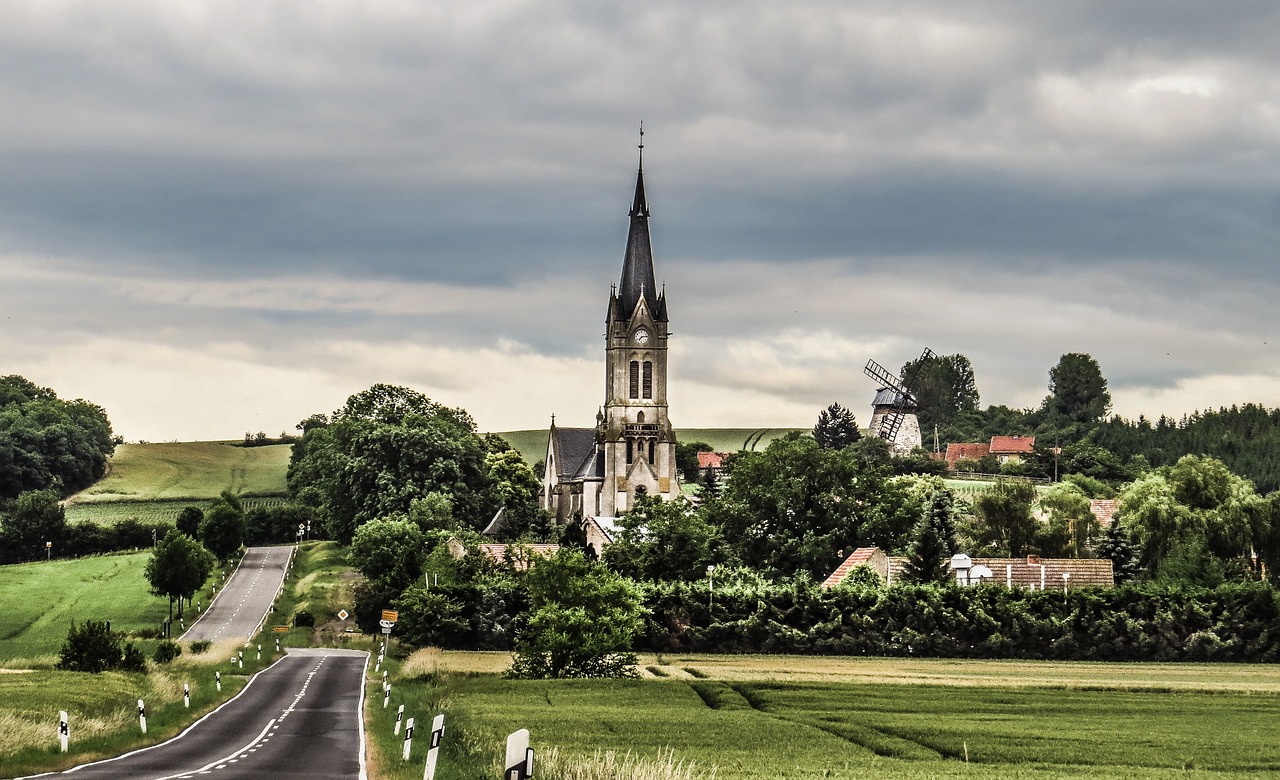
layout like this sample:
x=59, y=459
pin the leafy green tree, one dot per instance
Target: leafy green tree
x=582, y=621
x=179, y=565
x=34, y=518
x=1077, y=390
x=222, y=529
x=943, y=387
x=515, y=489
x=836, y=428
x=278, y=524
x=934, y=543
x=1070, y=528
x=1003, y=521
x=434, y=512
x=687, y=458
x=389, y=552
x=386, y=447
x=47, y=443
x=188, y=520
x=663, y=540
x=791, y=507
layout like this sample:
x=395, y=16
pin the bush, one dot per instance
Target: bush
x=166, y=652
x=200, y=645
x=94, y=647
x=304, y=619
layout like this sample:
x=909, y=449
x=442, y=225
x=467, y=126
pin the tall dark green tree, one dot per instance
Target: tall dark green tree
x=1077, y=390
x=189, y=519
x=836, y=428
x=47, y=443
x=944, y=387
x=222, y=529
x=386, y=447
x=36, y=517
x=1003, y=524
x=1117, y=547
x=687, y=458
x=934, y=543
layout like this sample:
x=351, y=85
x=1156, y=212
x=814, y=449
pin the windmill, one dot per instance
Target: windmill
x=895, y=403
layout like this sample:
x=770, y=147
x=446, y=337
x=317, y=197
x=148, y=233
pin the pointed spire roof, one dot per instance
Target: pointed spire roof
x=637, y=265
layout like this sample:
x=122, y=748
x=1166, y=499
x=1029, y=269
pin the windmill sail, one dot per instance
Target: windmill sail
x=904, y=400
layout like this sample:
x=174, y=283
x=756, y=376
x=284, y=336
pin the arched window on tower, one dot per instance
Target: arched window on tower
x=648, y=379
x=651, y=452
x=631, y=443
x=635, y=380
x=640, y=417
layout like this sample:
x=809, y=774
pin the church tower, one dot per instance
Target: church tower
x=638, y=443
x=597, y=472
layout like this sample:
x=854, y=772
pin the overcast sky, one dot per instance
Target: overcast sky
x=219, y=217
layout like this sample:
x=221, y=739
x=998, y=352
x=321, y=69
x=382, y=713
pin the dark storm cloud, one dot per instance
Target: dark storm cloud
x=329, y=194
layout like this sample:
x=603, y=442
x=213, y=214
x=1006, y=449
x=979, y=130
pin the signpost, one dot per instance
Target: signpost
x=408, y=737
x=64, y=731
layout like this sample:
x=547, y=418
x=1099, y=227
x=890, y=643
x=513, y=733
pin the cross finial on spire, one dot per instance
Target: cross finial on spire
x=641, y=147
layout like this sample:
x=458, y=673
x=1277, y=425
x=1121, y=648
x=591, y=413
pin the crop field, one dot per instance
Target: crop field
x=41, y=599
x=150, y=511
x=189, y=470
x=789, y=717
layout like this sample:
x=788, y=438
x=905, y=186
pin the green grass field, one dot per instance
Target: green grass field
x=41, y=599
x=189, y=470
x=847, y=718
x=150, y=511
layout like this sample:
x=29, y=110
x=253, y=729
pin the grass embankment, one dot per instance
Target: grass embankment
x=189, y=470
x=846, y=718
x=102, y=708
x=532, y=445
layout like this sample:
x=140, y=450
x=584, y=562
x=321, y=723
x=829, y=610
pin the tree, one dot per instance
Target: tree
x=47, y=443
x=1003, y=518
x=515, y=489
x=934, y=543
x=1071, y=526
x=663, y=540
x=836, y=428
x=1116, y=547
x=687, y=458
x=36, y=517
x=792, y=506
x=1077, y=390
x=386, y=447
x=188, y=520
x=222, y=529
x=179, y=565
x=389, y=552
x=582, y=621
x=943, y=387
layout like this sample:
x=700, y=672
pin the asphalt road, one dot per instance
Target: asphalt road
x=245, y=598
x=300, y=717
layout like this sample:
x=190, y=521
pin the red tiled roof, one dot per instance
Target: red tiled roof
x=1104, y=509
x=519, y=556
x=711, y=460
x=959, y=451
x=1010, y=445
x=860, y=556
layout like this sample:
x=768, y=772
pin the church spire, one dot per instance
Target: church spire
x=637, y=264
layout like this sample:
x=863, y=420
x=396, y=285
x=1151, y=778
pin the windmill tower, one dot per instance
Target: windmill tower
x=893, y=411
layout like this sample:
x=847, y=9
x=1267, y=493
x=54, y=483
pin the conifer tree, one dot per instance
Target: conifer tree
x=934, y=542
x=836, y=428
x=1120, y=550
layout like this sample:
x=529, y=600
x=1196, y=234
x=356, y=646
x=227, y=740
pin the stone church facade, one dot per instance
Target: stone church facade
x=597, y=472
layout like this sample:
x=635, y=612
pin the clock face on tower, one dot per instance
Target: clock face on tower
x=641, y=336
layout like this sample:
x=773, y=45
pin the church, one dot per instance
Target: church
x=598, y=472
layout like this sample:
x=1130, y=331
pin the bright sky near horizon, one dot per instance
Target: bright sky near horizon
x=219, y=217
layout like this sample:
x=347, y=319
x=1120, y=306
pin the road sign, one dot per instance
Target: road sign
x=386, y=630
x=343, y=614
x=280, y=629
x=390, y=615
x=386, y=623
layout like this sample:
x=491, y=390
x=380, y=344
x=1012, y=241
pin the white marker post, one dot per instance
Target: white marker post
x=217, y=678
x=433, y=752
x=259, y=652
x=399, y=717
x=519, y=763
x=386, y=695
x=240, y=658
x=277, y=645
x=186, y=695
x=408, y=737
x=64, y=731
x=142, y=716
